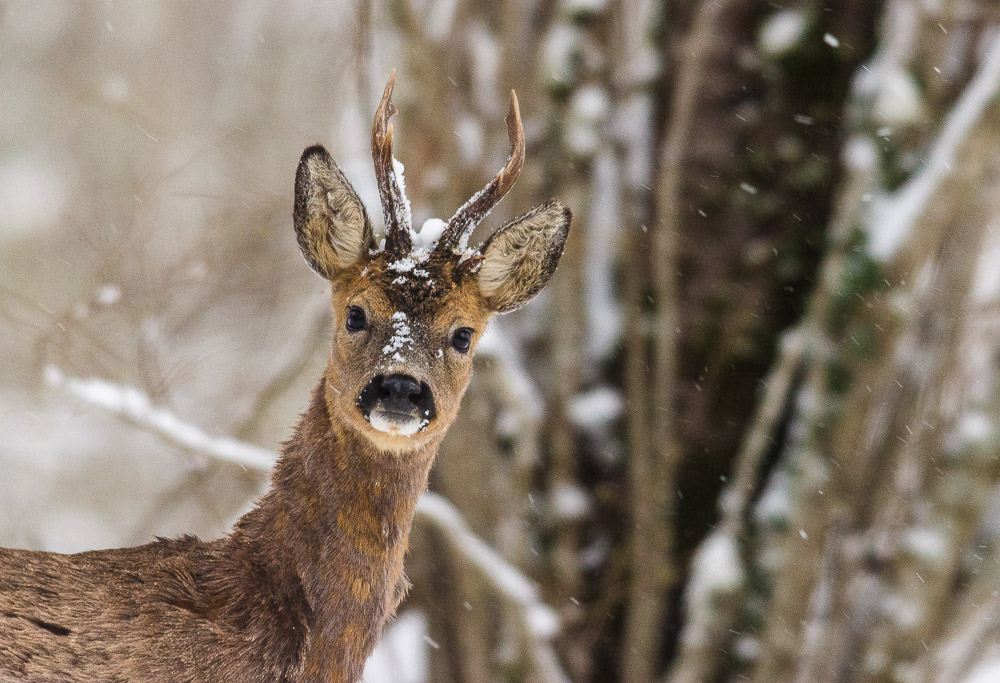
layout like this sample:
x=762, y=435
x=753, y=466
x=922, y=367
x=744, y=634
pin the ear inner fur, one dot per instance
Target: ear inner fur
x=520, y=257
x=331, y=223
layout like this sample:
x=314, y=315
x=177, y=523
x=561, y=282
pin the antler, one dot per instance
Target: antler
x=465, y=220
x=395, y=207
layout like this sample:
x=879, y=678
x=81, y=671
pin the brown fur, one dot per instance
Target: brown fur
x=299, y=591
x=303, y=586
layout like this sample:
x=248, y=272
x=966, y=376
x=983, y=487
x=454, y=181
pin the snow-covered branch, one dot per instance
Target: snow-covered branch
x=894, y=216
x=135, y=407
x=539, y=620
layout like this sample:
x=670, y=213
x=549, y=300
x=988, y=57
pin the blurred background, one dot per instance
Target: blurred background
x=749, y=432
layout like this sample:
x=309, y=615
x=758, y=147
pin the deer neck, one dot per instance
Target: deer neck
x=339, y=512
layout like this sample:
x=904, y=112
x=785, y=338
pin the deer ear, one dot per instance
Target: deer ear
x=331, y=224
x=520, y=257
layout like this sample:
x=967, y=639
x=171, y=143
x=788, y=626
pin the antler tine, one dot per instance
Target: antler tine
x=394, y=204
x=465, y=220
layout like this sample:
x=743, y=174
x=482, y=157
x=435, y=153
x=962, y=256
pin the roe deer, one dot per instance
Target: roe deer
x=303, y=586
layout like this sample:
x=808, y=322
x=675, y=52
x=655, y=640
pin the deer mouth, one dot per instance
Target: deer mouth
x=397, y=404
x=396, y=423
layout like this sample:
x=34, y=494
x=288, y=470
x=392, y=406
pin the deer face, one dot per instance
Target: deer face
x=407, y=316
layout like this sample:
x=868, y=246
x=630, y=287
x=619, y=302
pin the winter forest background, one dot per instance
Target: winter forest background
x=750, y=432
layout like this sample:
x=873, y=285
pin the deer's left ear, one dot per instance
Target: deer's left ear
x=331, y=223
x=520, y=257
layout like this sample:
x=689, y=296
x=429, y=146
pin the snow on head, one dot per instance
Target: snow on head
x=400, y=337
x=430, y=233
x=403, y=265
x=424, y=243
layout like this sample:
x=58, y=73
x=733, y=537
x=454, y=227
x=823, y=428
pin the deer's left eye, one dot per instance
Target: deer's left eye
x=462, y=339
x=356, y=319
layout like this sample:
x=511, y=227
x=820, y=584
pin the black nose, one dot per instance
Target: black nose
x=397, y=394
x=400, y=393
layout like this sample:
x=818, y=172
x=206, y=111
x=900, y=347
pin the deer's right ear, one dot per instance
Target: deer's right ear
x=331, y=223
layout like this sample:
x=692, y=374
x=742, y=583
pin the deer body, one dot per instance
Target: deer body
x=303, y=586
x=299, y=591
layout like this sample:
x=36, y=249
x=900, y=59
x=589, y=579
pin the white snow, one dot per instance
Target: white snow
x=930, y=546
x=115, y=89
x=986, y=288
x=485, y=57
x=906, y=613
x=588, y=110
x=401, y=653
x=400, y=337
x=973, y=429
x=781, y=32
x=440, y=17
x=430, y=233
x=404, y=213
x=32, y=194
x=716, y=569
x=746, y=648
x=774, y=505
x=597, y=408
x=558, y=52
x=604, y=314
x=586, y=7
x=403, y=265
x=109, y=295
x=463, y=243
x=831, y=40
x=470, y=132
x=358, y=169
x=138, y=409
x=898, y=103
x=986, y=672
x=894, y=216
x=860, y=154
x=569, y=502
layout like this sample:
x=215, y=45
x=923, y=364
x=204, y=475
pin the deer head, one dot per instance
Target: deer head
x=408, y=312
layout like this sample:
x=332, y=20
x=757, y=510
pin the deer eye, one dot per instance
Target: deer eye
x=356, y=320
x=462, y=339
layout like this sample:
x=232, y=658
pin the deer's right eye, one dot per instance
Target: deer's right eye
x=356, y=320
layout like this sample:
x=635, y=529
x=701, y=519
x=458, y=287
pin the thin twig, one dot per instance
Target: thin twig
x=289, y=367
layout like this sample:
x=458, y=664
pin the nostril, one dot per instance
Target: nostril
x=401, y=389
